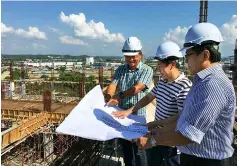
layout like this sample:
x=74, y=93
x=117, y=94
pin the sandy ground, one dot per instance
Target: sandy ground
x=35, y=106
x=5, y=74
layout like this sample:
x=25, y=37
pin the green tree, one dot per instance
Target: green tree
x=74, y=77
x=62, y=69
x=90, y=78
x=16, y=74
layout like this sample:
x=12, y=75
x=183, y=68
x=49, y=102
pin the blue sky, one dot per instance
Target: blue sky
x=102, y=27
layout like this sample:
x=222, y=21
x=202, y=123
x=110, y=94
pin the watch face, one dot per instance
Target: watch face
x=107, y=97
x=121, y=95
x=153, y=141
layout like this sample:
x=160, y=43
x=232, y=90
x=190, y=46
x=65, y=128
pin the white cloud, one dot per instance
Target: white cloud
x=90, y=29
x=38, y=46
x=5, y=29
x=55, y=30
x=71, y=40
x=32, y=33
x=176, y=35
x=229, y=30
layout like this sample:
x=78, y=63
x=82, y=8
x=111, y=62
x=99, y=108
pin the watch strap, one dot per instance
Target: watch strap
x=153, y=140
x=121, y=95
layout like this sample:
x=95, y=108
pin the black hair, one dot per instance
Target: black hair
x=212, y=47
x=169, y=60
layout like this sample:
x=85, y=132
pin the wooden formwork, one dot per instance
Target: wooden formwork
x=16, y=115
x=26, y=128
x=30, y=122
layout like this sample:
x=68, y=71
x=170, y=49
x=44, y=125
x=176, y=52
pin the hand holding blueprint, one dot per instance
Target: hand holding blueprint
x=92, y=119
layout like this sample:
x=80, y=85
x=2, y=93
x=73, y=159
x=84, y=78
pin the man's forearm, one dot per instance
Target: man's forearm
x=143, y=102
x=111, y=89
x=169, y=137
x=168, y=121
x=168, y=128
x=134, y=90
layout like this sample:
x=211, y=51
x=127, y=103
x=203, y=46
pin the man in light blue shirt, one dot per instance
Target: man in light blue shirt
x=204, y=131
x=132, y=81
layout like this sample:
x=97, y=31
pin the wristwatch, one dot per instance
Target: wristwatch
x=153, y=141
x=107, y=97
x=121, y=95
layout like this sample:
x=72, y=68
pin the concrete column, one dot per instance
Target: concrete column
x=12, y=89
x=23, y=89
x=48, y=147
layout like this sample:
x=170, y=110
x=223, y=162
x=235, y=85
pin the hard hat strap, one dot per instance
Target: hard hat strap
x=202, y=43
x=168, y=60
x=131, y=50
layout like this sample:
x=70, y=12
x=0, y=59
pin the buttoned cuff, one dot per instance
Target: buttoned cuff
x=191, y=132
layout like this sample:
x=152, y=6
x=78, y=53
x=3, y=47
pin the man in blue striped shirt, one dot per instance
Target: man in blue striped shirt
x=204, y=132
x=132, y=81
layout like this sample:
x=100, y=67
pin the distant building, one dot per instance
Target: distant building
x=53, y=64
x=106, y=64
x=99, y=64
x=113, y=64
x=28, y=60
x=90, y=60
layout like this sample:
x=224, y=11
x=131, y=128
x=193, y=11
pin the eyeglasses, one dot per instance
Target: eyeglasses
x=187, y=55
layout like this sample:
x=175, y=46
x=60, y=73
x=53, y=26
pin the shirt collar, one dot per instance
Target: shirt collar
x=204, y=73
x=139, y=66
x=180, y=77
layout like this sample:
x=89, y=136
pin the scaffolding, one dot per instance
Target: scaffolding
x=42, y=147
x=29, y=136
x=33, y=141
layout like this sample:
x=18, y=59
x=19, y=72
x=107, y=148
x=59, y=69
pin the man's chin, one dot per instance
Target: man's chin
x=192, y=72
x=132, y=65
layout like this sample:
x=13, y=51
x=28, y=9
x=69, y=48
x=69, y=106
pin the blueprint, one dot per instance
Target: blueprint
x=92, y=119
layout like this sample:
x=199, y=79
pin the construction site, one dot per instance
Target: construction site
x=29, y=121
x=32, y=110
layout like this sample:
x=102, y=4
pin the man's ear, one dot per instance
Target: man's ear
x=173, y=63
x=206, y=55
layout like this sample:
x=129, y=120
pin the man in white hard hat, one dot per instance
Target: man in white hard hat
x=204, y=132
x=132, y=81
x=170, y=93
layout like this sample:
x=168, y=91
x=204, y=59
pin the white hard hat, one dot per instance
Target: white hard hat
x=132, y=46
x=168, y=49
x=202, y=33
